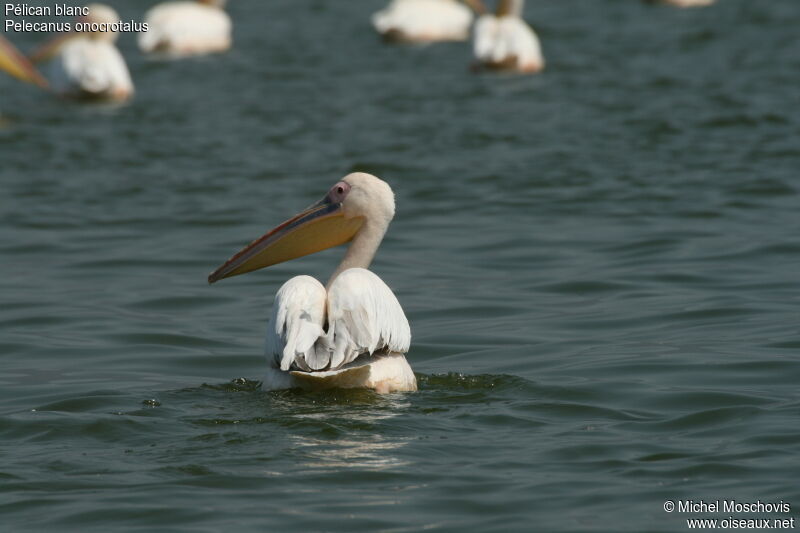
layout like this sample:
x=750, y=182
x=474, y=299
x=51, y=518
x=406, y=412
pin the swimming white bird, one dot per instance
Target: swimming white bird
x=17, y=65
x=181, y=29
x=425, y=21
x=504, y=41
x=352, y=333
x=87, y=65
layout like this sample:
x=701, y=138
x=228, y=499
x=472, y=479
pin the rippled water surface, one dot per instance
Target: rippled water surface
x=599, y=263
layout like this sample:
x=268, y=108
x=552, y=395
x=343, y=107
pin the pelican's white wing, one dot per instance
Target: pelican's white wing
x=484, y=38
x=498, y=40
x=91, y=67
x=689, y=3
x=298, y=317
x=364, y=316
x=184, y=28
x=425, y=19
x=522, y=42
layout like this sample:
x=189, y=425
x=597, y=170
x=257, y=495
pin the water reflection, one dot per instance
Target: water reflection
x=363, y=445
x=374, y=453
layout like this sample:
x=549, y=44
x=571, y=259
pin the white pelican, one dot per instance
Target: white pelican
x=425, y=21
x=352, y=333
x=504, y=41
x=87, y=65
x=187, y=28
x=17, y=65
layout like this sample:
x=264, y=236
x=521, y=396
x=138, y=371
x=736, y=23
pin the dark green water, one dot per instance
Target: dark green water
x=600, y=267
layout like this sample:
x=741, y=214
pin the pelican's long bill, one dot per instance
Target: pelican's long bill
x=321, y=226
x=13, y=62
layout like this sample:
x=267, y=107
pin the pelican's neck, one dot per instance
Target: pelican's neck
x=510, y=8
x=362, y=248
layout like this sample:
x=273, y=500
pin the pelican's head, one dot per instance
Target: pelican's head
x=101, y=14
x=357, y=200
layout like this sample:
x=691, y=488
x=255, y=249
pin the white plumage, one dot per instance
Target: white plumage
x=15, y=64
x=362, y=316
x=504, y=41
x=88, y=65
x=298, y=316
x=352, y=333
x=186, y=28
x=424, y=21
x=89, y=68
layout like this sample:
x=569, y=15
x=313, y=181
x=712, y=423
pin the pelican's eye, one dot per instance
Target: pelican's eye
x=338, y=192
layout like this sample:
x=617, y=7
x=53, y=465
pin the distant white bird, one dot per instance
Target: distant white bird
x=88, y=65
x=684, y=3
x=352, y=334
x=504, y=41
x=181, y=29
x=424, y=21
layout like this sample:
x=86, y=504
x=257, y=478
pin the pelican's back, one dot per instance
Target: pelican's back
x=91, y=68
x=298, y=317
x=184, y=28
x=424, y=19
x=362, y=316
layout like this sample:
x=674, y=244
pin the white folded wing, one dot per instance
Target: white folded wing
x=501, y=39
x=186, y=28
x=425, y=20
x=361, y=313
x=88, y=67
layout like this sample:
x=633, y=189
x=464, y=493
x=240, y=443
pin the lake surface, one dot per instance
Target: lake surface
x=599, y=263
